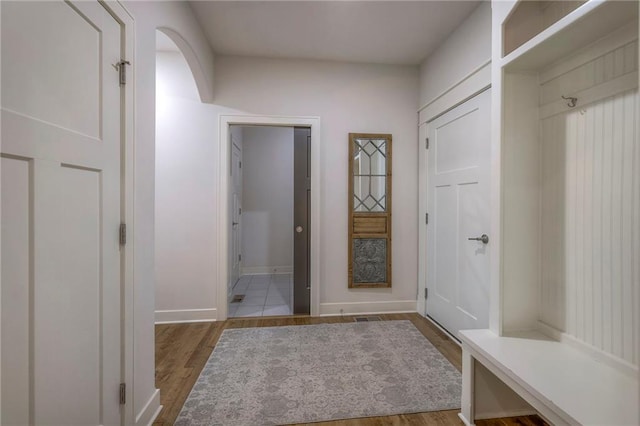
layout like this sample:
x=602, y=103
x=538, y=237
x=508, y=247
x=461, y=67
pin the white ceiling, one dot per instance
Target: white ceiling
x=386, y=32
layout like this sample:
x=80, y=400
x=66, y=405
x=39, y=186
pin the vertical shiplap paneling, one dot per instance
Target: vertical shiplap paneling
x=590, y=223
x=607, y=156
x=627, y=102
x=587, y=210
x=597, y=228
x=617, y=139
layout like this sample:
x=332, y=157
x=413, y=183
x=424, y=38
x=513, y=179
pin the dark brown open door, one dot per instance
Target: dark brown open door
x=302, y=220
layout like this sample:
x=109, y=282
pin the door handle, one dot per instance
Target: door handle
x=298, y=229
x=234, y=223
x=484, y=238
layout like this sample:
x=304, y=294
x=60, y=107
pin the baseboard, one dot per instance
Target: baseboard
x=259, y=270
x=150, y=411
x=390, y=307
x=503, y=414
x=465, y=421
x=186, y=315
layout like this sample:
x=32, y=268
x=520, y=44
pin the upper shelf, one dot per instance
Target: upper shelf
x=588, y=23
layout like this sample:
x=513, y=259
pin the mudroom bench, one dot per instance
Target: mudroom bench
x=562, y=383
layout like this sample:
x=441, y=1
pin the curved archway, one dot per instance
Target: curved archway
x=205, y=89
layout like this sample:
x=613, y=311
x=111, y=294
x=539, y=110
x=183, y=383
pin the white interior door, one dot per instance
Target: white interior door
x=236, y=214
x=61, y=177
x=458, y=206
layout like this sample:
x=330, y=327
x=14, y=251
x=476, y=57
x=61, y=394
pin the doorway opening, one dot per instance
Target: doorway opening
x=269, y=250
x=269, y=211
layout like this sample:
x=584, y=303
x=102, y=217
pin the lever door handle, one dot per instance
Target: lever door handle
x=484, y=238
x=234, y=223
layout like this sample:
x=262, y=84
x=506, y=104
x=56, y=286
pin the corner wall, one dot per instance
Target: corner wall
x=148, y=16
x=466, y=49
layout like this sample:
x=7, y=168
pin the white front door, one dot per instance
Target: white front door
x=61, y=180
x=458, y=206
x=236, y=214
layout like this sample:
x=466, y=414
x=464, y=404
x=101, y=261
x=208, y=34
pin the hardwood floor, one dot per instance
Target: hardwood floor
x=183, y=349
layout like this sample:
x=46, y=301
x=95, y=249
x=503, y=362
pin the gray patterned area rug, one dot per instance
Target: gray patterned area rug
x=310, y=373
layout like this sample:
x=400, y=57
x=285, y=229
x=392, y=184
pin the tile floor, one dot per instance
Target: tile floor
x=264, y=295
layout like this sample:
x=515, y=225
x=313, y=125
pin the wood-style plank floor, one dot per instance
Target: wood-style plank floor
x=183, y=349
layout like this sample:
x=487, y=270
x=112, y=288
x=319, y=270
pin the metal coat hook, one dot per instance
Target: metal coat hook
x=572, y=101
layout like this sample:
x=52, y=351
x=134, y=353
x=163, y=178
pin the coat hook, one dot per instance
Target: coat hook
x=572, y=101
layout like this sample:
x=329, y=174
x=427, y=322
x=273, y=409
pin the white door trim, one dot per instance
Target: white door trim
x=126, y=20
x=223, y=200
x=472, y=85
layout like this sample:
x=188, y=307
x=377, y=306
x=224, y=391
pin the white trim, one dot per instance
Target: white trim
x=604, y=357
x=261, y=270
x=222, y=192
x=369, y=308
x=127, y=21
x=464, y=420
x=477, y=80
x=502, y=414
x=185, y=315
x=150, y=411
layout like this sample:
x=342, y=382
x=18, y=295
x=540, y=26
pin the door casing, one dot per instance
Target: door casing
x=224, y=220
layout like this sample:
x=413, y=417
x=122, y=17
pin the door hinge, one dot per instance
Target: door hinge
x=123, y=234
x=426, y=143
x=240, y=165
x=426, y=218
x=239, y=258
x=123, y=393
x=426, y=293
x=122, y=71
x=239, y=210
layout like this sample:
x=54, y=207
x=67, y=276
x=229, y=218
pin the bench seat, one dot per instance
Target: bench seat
x=565, y=385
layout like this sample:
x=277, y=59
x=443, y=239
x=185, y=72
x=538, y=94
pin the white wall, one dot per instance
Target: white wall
x=267, y=199
x=185, y=249
x=148, y=16
x=467, y=48
x=347, y=98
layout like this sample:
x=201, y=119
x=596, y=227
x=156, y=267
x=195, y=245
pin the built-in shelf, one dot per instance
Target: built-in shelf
x=585, y=25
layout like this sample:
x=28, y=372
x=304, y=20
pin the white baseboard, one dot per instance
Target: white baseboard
x=390, y=307
x=186, y=315
x=150, y=411
x=465, y=421
x=502, y=414
x=259, y=270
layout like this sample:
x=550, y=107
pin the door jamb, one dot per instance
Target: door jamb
x=223, y=200
x=468, y=87
x=127, y=23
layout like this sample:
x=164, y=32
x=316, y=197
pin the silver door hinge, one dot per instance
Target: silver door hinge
x=240, y=166
x=426, y=293
x=239, y=258
x=426, y=143
x=239, y=210
x=123, y=393
x=426, y=218
x=122, y=71
x=123, y=234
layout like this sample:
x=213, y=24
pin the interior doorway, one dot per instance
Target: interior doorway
x=278, y=273
x=269, y=206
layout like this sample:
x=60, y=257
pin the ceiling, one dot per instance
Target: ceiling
x=384, y=32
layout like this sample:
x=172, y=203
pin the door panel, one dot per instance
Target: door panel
x=236, y=205
x=458, y=202
x=302, y=220
x=61, y=146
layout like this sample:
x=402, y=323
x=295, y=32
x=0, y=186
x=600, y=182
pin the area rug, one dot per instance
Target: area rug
x=310, y=373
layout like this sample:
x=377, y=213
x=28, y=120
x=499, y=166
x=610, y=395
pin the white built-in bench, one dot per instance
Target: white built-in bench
x=563, y=384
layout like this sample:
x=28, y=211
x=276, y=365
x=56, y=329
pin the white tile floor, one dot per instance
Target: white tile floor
x=264, y=295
